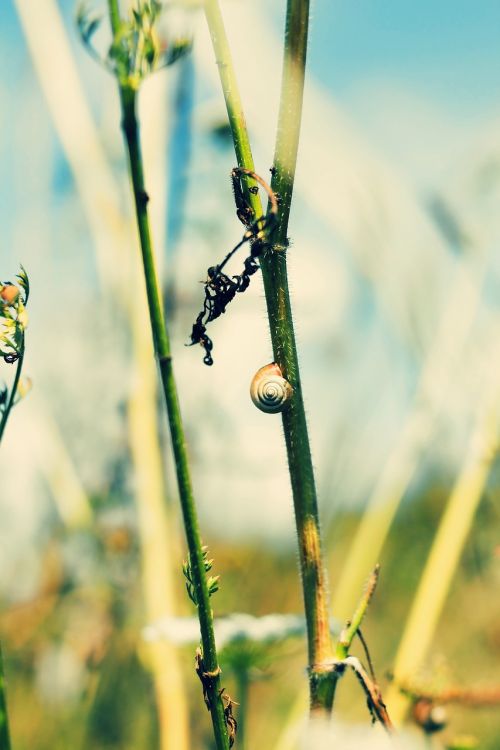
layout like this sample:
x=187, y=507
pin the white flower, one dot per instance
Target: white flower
x=235, y=627
x=323, y=735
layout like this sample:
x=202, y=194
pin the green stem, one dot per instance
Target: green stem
x=12, y=395
x=114, y=16
x=274, y=272
x=348, y=634
x=4, y=720
x=231, y=92
x=130, y=126
x=290, y=113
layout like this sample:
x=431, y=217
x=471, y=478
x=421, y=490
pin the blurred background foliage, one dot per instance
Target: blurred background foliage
x=395, y=273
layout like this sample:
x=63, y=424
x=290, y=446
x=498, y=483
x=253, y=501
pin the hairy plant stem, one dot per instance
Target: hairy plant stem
x=274, y=272
x=12, y=395
x=130, y=126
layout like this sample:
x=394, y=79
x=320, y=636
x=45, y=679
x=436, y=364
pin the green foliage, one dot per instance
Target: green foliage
x=87, y=23
x=24, y=283
x=212, y=581
x=13, y=317
x=13, y=324
x=137, y=48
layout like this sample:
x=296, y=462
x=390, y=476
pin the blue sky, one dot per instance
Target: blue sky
x=446, y=50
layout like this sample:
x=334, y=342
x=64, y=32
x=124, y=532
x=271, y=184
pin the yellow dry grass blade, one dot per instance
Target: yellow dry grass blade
x=447, y=548
x=116, y=261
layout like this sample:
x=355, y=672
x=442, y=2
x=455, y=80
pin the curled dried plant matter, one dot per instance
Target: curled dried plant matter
x=374, y=700
x=221, y=289
x=375, y=703
x=205, y=676
x=229, y=718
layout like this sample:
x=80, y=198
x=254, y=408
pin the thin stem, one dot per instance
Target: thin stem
x=163, y=352
x=112, y=243
x=274, y=272
x=456, y=695
x=290, y=113
x=348, y=635
x=130, y=126
x=231, y=93
x=12, y=395
x=4, y=719
x=114, y=16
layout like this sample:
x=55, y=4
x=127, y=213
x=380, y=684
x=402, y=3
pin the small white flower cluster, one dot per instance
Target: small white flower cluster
x=236, y=627
x=323, y=735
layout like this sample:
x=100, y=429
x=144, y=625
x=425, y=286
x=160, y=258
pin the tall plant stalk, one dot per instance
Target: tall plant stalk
x=128, y=101
x=111, y=236
x=274, y=272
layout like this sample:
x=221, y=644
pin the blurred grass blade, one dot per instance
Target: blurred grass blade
x=447, y=549
x=444, y=356
x=56, y=71
x=59, y=80
x=58, y=469
x=156, y=544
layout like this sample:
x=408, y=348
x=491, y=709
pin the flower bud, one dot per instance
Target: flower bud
x=9, y=293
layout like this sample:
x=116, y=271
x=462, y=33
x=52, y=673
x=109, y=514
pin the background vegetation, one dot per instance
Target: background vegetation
x=395, y=274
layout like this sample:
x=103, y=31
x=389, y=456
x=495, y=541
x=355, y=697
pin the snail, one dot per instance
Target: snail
x=269, y=390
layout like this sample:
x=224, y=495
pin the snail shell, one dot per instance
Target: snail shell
x=269, y=390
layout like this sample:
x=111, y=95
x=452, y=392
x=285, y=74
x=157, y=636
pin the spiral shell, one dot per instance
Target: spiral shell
x=269, y=390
